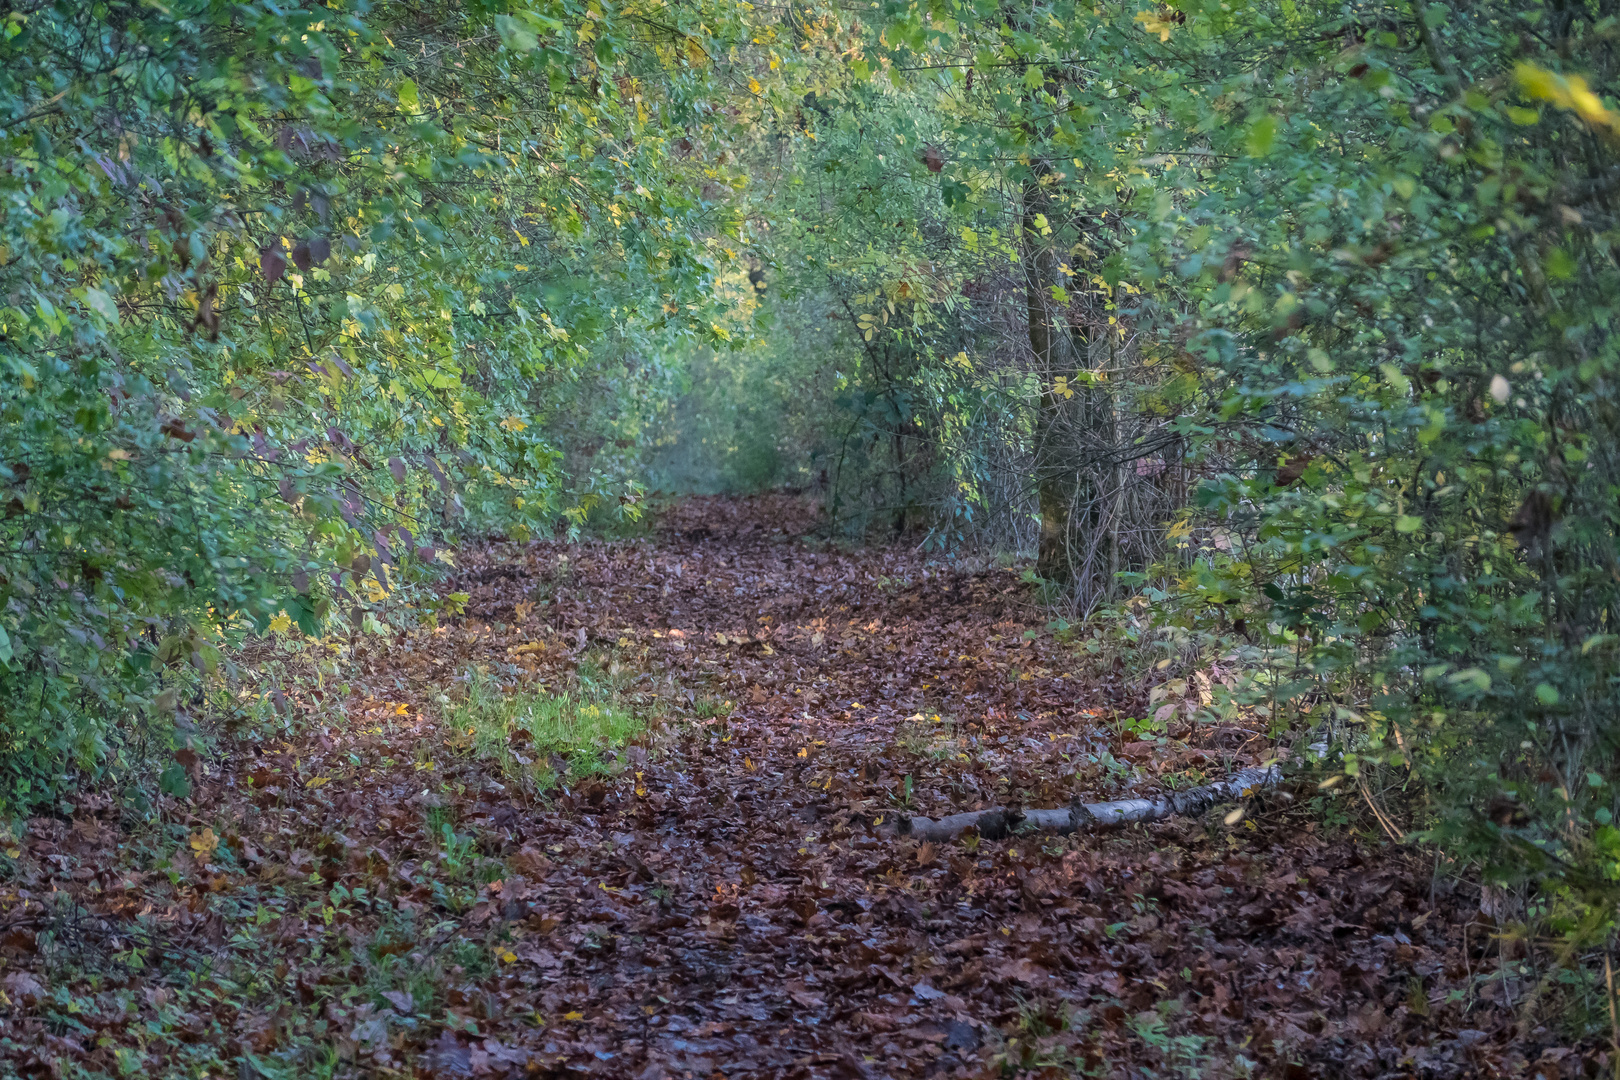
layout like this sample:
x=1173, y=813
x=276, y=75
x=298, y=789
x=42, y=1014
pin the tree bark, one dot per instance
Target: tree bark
x=999, y=822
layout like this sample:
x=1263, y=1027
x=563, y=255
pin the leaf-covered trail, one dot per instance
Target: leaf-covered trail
x=716, y=903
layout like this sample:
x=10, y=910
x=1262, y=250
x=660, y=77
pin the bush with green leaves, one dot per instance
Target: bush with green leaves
x=1326, y=290
x=1402, y=332
x=290, y=295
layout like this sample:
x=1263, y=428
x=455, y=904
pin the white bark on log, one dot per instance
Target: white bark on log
x=999, y=822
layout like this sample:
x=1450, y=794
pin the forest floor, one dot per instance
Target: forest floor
x=421, y=873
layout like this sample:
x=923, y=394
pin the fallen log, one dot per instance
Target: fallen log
x=999, y=822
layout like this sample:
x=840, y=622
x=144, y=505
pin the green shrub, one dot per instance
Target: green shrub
x=288, y=297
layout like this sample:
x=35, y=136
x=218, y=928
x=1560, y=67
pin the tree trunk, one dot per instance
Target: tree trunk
x=999, y=822
x=1054, y=486
x=1069, y=425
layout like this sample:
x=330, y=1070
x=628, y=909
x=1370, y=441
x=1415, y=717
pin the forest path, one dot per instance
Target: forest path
x=714, y=902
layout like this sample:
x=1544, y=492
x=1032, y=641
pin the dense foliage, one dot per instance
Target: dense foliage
x=1311, y=344
x=290, y=294
x=1290, y=319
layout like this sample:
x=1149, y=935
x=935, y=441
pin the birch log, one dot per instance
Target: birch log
x=999, y=822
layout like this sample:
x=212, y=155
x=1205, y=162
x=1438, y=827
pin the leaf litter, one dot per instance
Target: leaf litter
x=428, y=876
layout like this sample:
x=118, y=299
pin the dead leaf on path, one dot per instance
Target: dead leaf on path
x=721, y=891
x=400, y=1000
x=204, y=844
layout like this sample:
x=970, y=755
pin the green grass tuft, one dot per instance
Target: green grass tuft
x=523, y=730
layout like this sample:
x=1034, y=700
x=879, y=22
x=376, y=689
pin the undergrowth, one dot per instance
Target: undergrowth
x=535, y=737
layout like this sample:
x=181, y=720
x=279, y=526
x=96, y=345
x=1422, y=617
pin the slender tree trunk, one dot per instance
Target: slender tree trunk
x=1054, y=479
x=1074, y=426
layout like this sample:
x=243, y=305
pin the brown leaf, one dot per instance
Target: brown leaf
x=401, y=1000
x=272, y=263
x=531, y=863
x=23, y=987
x=1293, y=468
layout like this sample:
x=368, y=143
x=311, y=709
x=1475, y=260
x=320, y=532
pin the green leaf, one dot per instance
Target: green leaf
x=1406, y=523
x=514, y=35
x=406, y=92
x=1559, y=264
x=1262, y=133
x=101, y=304
x=174, y=781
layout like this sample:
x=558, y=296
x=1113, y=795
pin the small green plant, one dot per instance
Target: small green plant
x=459, y=852
x=1143, y=727
x=603, y=674
x=710, y=708
x=1185, y=1054
x=523, y=730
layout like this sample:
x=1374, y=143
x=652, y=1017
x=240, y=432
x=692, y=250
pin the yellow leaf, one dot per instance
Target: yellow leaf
x=748, y=763
x=317, y=781
x=1153, y=24
x=281, y=623
x=1566, y=91
x=13, y=853
x=508, y=956
x=512, y=423
x=573, y=1016
x=804, y=751
x=205, y=842
x=753, y=86
x=401, y=710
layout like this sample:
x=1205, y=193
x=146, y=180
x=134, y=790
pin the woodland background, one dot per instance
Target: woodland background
x=1272, y=334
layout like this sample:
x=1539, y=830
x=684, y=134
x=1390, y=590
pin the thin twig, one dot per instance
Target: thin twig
x=1390, y=827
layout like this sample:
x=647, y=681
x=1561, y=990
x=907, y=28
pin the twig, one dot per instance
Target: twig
x=1390, y=827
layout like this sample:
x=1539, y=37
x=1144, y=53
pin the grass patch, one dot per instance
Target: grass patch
x=932, y=736
x=525, y=732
